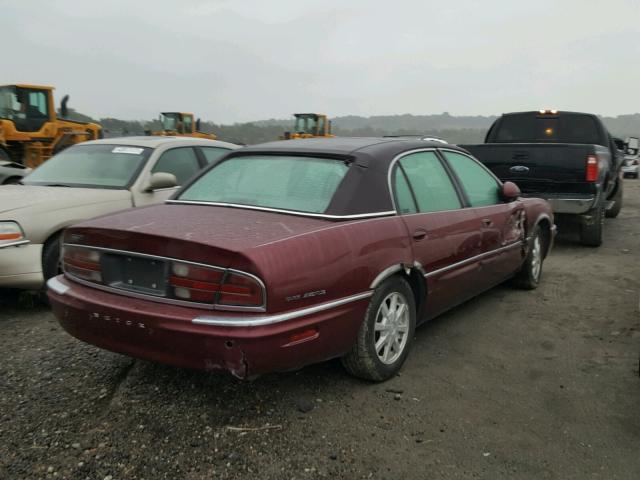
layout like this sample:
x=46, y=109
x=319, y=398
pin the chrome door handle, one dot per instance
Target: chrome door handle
x=419, y=234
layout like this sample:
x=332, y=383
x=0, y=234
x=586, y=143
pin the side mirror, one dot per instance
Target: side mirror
x=159, y=180
x=510, y=191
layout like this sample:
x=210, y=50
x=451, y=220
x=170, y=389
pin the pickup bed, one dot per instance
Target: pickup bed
x=568, y=158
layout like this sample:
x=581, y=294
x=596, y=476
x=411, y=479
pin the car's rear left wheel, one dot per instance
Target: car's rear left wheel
x=386, y=334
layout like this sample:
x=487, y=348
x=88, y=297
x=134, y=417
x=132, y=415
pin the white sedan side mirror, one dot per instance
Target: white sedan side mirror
x=159, y=180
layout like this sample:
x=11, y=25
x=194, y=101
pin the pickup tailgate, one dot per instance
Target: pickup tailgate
x=538, y=168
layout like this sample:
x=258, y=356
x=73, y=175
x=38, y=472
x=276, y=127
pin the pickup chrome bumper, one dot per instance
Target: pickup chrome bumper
x=572, y=205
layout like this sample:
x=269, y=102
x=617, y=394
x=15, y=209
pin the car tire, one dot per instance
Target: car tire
x=11, y=180
x=529, y=275
x=591, y=229
x=392, y=310
x=51, y=258
x=617, y=199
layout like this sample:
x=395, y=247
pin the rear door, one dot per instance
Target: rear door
x=445, y=237
x=502, y=222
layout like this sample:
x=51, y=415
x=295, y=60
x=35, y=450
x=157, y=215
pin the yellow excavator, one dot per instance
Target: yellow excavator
x=30, y=130
x=180, y=124
x=309, y=125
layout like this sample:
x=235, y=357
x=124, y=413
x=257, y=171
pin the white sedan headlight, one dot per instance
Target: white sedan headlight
x=11, y=234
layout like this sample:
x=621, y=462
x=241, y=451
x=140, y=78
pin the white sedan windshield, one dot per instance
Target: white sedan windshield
x=102, y=166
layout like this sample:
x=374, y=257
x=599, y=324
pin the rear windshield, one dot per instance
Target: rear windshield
x=303, y=184
x=563, y=128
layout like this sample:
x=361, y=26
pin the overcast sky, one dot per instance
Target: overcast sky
x=241, y=60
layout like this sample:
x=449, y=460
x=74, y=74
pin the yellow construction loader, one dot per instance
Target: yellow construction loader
x=181, y=124
x=309, y=125
x=30, y=130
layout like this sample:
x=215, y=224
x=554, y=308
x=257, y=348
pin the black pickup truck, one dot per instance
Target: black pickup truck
x=568, y=158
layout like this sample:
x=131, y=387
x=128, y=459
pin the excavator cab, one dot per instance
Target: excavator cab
x=180, y=124
x=30, y=130
x=177, y=122
x=309, y=125
x=28, y=107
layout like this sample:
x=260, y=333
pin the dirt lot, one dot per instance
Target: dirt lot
x=514, y=384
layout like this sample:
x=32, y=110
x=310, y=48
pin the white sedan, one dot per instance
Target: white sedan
x=86, y=180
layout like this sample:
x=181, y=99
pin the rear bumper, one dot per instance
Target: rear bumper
x=21, y=267
x=632, y=169
x=574, y=205
x=188, y=337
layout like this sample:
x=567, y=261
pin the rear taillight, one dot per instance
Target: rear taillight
x=194, y=283
x=165, y=278
x=240, y=290
x=83, y=263
x=206, y=285
x=592, y=168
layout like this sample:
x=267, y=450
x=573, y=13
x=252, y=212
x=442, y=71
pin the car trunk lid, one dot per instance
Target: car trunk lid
x=196, y=233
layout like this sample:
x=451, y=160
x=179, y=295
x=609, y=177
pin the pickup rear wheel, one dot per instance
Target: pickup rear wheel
x=529, y=275
x=386, y=334
x=617, y=202
x=591, y=227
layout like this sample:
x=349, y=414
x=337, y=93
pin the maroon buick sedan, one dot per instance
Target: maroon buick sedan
x=295, y=252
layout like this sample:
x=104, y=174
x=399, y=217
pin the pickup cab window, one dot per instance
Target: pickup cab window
x=562, y=128
x=481, y=188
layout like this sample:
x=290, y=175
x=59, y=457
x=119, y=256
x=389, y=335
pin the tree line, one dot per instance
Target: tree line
x=454, y=129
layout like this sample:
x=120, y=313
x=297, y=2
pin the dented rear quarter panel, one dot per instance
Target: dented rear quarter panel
x=537, y=209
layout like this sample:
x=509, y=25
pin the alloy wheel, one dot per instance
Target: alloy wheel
x=391, y=328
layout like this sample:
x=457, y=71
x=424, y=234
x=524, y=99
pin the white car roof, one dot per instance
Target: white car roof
x=152, y=141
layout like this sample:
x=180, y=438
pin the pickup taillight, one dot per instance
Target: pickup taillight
x=593, y=168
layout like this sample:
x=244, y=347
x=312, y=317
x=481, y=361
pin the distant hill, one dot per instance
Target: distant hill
x=454, y=129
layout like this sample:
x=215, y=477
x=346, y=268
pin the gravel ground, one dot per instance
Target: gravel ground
x=514, y=384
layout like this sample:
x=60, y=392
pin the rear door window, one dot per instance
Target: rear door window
x=405, y=203
x=182, y=162
x=212, y=154
x=481, y=187
x=430, y=183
